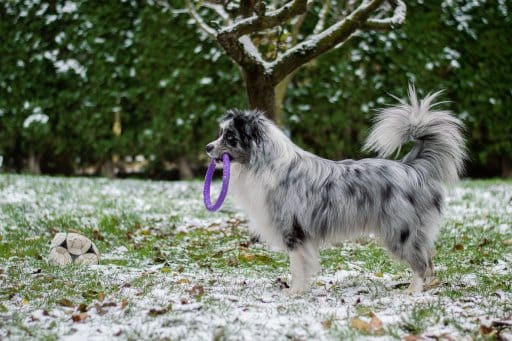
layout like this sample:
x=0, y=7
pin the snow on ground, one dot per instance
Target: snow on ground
x=148, y=300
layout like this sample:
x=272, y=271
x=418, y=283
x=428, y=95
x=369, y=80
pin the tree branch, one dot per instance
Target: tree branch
x=315, y=45
x=394, y=21
x=251, y=51
x=219, y=9
x=261, y=22
x=322, y=16
x=200, y=21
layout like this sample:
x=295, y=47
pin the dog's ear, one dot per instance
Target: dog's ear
x=248, y=124
x=240, y=122
x=229, y=115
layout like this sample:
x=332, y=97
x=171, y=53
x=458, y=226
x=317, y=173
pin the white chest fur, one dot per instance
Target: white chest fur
x=250, y=194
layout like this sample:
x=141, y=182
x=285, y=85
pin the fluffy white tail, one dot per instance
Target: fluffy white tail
x=439, y=150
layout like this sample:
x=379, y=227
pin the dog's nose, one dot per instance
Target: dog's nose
x=209, y=147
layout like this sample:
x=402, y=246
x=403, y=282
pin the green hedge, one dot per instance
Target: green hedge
x=462, y=47
x=79, y=64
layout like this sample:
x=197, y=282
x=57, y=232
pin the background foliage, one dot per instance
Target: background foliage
x=85, y=85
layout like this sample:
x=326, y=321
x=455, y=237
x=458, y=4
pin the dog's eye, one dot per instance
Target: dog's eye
x=230, y=139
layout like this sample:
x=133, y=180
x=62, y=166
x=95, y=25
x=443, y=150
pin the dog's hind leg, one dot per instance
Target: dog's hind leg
x=304, y=263
x=419, y=256
x=430, y=273
x=414, y=246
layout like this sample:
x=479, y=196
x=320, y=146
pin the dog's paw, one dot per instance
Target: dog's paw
x=411, y=290
x=415, y=287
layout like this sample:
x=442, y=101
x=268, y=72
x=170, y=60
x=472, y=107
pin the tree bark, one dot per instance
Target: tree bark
x=185, y=170
x=260, y=92
x=280, y=92
x=107, y=169
x=266, y=81
x=33, y=163
x=506, y=167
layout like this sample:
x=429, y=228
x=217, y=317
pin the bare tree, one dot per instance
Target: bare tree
x=244, y=27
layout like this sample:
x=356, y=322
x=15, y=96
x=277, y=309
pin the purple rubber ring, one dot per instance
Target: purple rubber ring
x=208, y=181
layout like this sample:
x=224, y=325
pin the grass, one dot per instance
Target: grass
x=170, y=270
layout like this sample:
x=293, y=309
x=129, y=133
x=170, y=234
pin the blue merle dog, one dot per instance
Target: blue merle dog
x=298, y=201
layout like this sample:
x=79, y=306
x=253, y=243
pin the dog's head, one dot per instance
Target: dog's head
x=239, y=132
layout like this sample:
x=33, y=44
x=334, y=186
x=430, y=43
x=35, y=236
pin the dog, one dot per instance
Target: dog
x=298, y=201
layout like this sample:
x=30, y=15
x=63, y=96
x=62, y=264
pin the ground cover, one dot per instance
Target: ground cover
x=171, y=270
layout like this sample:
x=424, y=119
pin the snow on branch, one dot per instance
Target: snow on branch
x=331, y=37
x=236, y=37
x=395, y=21
x=200, y=21
x=322, y=16
x=264, y=21
x=251, y=50
x=219, y=9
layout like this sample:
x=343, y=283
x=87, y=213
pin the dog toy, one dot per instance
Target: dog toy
x=208, y=181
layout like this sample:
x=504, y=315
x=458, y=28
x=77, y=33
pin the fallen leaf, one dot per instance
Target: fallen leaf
x=165, y=269
x=82, y=308
x=96, y=234
x=487, y=331
x=412, y=338
x=483, y=242
x=379, y=274
x=90, y=294
x=360, y=325
x=232, y=261
x=100, y=310
x=434, y=283
x=508, y=242
x=376, y=325
x=3, y=308
x=65, y=302
x=327, y=324
x=124, y=303
x=157, y=311
x=502, y=323
x=372, y=327
x=25, y=301
x=458, y=247
x=101, y=296
x=246, y=257
x=79, y=317
x=129, y=235
x=443, y=336
x=183, y=281
x=197, y=290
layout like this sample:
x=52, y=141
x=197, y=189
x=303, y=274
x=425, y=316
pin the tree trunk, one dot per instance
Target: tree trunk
x=280, y=92
x=185, y=170
x=260, y=92
x=107, y=169
x=506, y=167
x=33, y=163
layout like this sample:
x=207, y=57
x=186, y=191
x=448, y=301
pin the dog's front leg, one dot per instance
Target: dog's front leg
x=304, y=263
